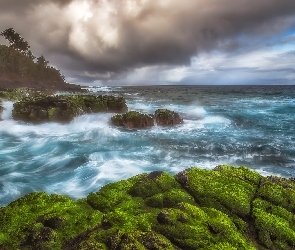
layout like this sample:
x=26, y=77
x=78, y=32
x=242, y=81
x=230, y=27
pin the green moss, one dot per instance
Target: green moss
x=191, y=227
x=53, y=113
x=277, y=193
x=169, y=199
x=133, y=119
x=226, y=190
x=57, y=215
x=16, y=94
x=165, y=117
x=154, y=183
x=90, y=244
x=64, y=108
x=111, y=195
x=225, y=208
x=275, y=225
x=242, y=173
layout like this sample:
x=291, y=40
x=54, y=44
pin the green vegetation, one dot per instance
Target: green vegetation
x=133, y=119
x=17, y=94
x=63, y=108
x=165, y=117
x=20, y=68
x=225, y=208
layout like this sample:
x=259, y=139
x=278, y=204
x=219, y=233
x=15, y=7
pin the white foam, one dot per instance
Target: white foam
x=7, y=112
x=84, y=123
x=100, y=89
x=144, y=107
x=195, y=112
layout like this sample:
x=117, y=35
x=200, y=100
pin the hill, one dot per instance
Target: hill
x=19, y=68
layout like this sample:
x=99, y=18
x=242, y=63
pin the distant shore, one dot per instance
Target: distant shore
x=46, y=86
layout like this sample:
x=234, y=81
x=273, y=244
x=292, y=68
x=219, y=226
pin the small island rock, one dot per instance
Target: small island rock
x=133, y=119
x=165, y=117
x=64, y=108
x=1, y=110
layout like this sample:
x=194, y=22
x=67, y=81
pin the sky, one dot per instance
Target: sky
x=150, y=42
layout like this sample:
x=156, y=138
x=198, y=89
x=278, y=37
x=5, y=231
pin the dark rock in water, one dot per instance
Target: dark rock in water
x=133, y=119
x=1, y=110
x=165, y=117
x=45, y=108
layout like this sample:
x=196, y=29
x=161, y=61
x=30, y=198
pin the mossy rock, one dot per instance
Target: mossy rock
x=45, y=108
x=224, y=208
x=228, y=188
x=169, y=198
x=278, y=191
x=44, y=221
x=275, y=225
x=1, y=110
x=191, y=227
x=165, y=117
x=133, y=119
x=16, y=94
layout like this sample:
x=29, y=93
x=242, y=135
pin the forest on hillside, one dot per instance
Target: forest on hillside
x=20, y=68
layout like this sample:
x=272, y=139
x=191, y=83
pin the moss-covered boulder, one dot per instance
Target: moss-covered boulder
x=224, y=208
x=230, y=190
x=133, y=119
x=165, y=117
x=46, y=108
x=1, y=110
x=41, y=221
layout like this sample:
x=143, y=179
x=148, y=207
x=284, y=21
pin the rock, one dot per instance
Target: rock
x=165, y=117
x=223, y=208
x=1, y=111
x=46, y=108
x=133, y=119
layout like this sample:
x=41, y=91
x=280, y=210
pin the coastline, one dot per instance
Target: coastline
x=223, y=208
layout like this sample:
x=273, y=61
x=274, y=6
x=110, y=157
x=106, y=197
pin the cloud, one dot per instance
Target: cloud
x=104, y=39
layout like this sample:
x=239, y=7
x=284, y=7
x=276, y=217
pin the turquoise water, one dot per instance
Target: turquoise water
x=237, y=125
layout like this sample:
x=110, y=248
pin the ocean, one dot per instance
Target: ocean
x=236, y=125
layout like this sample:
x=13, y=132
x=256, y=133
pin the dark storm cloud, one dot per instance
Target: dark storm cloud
x=106, y=37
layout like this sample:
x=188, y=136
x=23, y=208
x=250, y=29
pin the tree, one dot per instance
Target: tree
x=42, y=62
x=17, y=42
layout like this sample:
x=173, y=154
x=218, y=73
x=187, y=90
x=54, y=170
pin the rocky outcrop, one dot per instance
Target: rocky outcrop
x=165, y=117
x=45, y=108
x=133, y=119
x=224, y=208
x=1, y=111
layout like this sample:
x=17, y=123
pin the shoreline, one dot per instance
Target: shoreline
x=223, y=208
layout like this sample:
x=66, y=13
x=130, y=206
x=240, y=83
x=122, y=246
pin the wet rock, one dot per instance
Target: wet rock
x=133, y=119
x=165, y=117
x=163, y=217
x=224, y=208
x=1, y=111
x=45, y=108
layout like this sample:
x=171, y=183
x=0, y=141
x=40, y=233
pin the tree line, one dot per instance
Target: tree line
x=18, y=60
